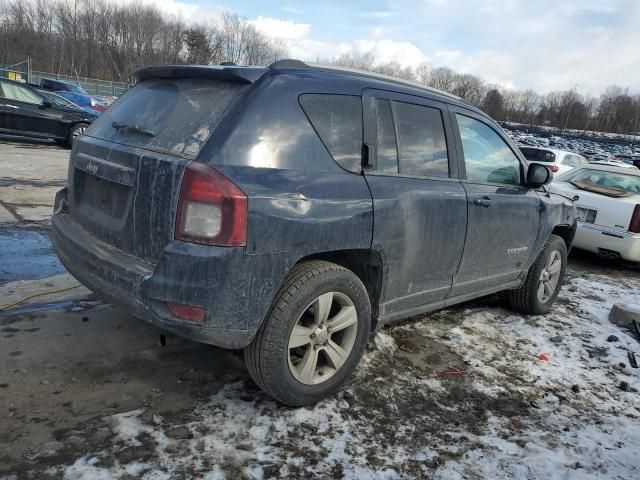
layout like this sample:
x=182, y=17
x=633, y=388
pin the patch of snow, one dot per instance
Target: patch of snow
x=508, y=415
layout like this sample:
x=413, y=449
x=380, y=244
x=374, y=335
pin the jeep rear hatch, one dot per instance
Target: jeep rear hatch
x=124, y=174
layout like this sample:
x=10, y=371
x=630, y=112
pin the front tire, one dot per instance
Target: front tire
x=544, y=280
x=314, y=335
x=74, y=132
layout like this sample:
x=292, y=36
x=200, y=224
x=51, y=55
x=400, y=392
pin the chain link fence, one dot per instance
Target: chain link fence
x=93, y=86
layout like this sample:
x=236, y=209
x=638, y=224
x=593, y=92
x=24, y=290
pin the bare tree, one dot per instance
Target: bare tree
x=442, y=78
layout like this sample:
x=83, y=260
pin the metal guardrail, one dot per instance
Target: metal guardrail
x=93, y=86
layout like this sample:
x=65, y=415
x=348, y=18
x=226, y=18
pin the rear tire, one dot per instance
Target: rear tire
x=544, y=280
x=74, y=132
x=314, y=335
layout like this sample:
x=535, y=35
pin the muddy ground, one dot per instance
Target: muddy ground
x=66, y=376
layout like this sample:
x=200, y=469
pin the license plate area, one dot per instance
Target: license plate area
x=103, y=196
x=586, y=215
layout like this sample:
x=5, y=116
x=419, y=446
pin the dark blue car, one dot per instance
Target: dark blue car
x=75, y=93
x=291, y=210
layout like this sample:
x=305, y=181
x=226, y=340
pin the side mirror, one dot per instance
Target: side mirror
x=538, y=175
x=46, y=104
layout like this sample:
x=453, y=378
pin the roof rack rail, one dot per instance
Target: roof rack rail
x=294, y=64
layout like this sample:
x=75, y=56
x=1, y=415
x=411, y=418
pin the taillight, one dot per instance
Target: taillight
x=634, y=226
x=553, y=168
x=212, y=210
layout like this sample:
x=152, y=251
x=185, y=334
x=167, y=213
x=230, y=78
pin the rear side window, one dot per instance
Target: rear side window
x=175, y=116
x=421, y=141
x=19, y=93
x=338, y=121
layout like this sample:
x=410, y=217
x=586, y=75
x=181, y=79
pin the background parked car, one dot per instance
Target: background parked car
x=75, y=93
x=630, y=159
x=65, y=102
x=558, y=161
x=25, y=111
x=612, y=163
x=607, y=198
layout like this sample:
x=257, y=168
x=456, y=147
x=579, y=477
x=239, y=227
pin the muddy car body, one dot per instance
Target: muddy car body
x=265, y=207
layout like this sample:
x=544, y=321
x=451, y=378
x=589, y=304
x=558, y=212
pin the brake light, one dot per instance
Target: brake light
x=212, y=210
x=553, y=168
x=634, y=226
x=186, y=312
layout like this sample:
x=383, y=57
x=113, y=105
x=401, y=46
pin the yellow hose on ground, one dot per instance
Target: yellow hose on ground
x=49, y=292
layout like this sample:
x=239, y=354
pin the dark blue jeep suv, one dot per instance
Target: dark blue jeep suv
x=290, y=210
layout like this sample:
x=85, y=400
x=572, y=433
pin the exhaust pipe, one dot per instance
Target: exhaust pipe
x=608, y=254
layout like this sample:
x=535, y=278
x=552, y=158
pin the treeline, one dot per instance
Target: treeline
x=109, y=40
x=616, y=110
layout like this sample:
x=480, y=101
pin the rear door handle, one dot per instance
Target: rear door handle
x=10, y=106
x=483, y=202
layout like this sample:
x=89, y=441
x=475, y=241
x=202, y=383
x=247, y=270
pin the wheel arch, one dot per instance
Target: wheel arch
x=566, y=232
x=366, y=264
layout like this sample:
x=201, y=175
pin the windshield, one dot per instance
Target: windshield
x=175, y=116
x=536, y=155
x=72, y=87
x=610, y=180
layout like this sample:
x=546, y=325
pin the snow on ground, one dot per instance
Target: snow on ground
x=460, y=393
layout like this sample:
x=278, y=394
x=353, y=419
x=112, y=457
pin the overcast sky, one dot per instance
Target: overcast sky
x=541, y=44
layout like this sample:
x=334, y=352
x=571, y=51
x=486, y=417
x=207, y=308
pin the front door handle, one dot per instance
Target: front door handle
x=10, y=106
x=483, y=202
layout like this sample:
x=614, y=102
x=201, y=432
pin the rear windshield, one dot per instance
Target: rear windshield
x=535, y=155
x=175, y=116
x=586, y=178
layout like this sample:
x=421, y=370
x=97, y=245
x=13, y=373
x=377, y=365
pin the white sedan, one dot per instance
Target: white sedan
x=558, y=161
x=608, y=209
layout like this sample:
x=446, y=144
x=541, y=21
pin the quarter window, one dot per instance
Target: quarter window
x=338, y=121
x=487, y=158
x=422, y=146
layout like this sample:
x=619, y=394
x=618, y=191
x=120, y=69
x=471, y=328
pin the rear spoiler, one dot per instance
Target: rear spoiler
x=231, y=73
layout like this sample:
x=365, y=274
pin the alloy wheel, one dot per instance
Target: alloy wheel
x=322, y=338
x=78, y=131
x=549, y=276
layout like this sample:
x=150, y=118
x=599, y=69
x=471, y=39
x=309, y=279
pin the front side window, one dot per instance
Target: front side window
x=422, y=147
x=19, y=93
x=338, y=121
x=487, y=157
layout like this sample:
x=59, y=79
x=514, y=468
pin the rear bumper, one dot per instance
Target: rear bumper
x=235, y=289
x=596, y=238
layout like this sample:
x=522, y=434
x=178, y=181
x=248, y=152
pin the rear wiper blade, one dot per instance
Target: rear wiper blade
x=132, y=128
